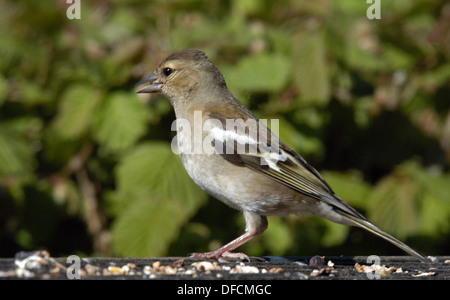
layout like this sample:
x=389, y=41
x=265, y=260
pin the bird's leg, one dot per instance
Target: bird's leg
x=255, y=225
x=224, y=251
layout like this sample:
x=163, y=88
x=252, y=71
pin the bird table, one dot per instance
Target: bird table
x=41, y=265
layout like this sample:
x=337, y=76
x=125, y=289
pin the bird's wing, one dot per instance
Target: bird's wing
x=271, y=157
x=274, y=159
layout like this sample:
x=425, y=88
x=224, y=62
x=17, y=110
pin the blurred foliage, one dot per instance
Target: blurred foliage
x=86, y=165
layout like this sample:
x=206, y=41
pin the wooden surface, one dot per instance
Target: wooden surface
x=40, y=265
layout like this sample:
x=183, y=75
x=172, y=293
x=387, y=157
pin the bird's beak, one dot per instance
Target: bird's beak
x=153, y=85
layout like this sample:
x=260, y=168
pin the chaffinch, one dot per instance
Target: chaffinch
x=238, y=163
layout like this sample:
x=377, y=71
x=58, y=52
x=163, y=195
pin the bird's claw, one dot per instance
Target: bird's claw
x=221, y=257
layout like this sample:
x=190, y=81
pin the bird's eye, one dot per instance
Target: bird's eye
x=167, y=71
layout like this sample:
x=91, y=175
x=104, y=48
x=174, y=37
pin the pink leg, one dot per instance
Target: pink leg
x=255, y=225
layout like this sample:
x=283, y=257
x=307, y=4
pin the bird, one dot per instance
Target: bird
x=248, y=169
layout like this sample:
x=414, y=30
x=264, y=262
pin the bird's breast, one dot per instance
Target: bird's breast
x=241, y=187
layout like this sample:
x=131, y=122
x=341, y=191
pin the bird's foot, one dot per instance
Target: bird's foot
x=221, y=256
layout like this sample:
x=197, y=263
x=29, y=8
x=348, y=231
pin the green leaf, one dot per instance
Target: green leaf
x=394, y=205
x=34, y=94
x=277, y=237
x=435, y=184
x=310, y=70
x=398, y=58
x=153, y=167
x=412, y=200
x=121, y=121
x=365, y=59
x=155, y=196
x=335, y=234
x=302, y=143
x=437, y=77
x=245, y=7
x=3, y=89
x=16, y=154
x=434, y=198
x=147, y=227
x=351, y=7
x=435, y=215
x=76, y=111
x=350, y=187
x=260, y=73
x=362, y=111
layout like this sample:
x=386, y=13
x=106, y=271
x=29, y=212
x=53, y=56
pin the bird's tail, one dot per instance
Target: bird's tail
x=381, y=233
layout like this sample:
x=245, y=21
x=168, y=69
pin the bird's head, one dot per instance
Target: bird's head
x=182, y=73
